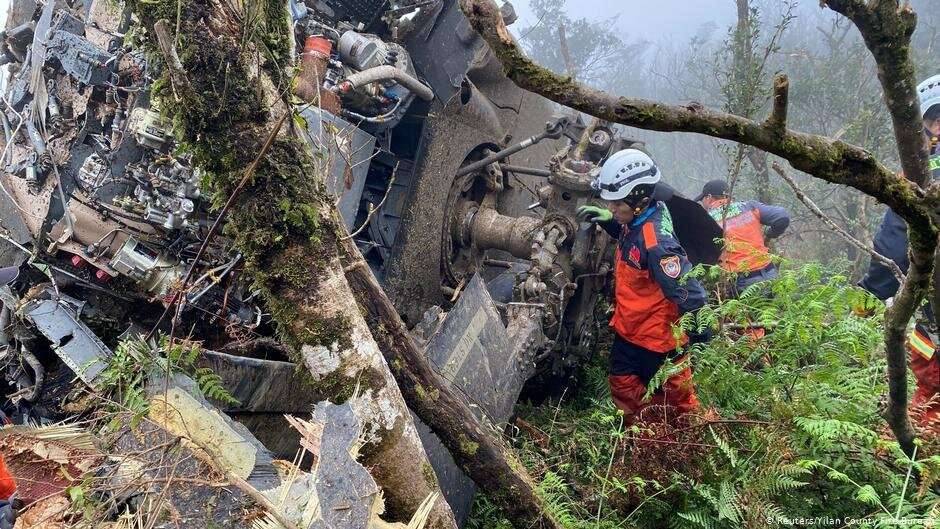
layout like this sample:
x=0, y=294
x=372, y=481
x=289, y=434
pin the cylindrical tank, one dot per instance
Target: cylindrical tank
x=313, y=65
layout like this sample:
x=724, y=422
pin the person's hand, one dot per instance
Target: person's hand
x=7, y=515
x=594, y=214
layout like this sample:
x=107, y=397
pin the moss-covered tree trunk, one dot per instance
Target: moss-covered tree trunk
x=225, y=97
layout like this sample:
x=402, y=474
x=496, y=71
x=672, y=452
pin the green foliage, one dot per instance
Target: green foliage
x=796, y=429
x=136, y=359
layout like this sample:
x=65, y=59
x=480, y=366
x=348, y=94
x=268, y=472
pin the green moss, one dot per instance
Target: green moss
x=468, y=447
x=276, y=37
x=430, y=478
x=326, y=331
x=424, y=394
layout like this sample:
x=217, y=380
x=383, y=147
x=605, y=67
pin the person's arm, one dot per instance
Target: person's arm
x=612, y=227
x=602, y=217
x=670, y=268
x=776, y=217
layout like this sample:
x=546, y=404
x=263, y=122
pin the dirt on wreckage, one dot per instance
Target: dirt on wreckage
x=227, y=377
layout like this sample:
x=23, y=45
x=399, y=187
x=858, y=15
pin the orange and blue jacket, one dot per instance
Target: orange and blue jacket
x=652, y=288
x=743, y=224
x=7, y=483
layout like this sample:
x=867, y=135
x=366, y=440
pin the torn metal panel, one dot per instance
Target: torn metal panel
x=347, y=149
x=261, y=386
x=79, y=58
x=345, y=488
x=72, y=340
x=472, y=350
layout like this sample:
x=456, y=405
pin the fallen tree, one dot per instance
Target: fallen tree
x=886, y=26
x=226, y=98
x=281, y=219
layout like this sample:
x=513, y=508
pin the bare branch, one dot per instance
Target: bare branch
x=174, y=66
x=778, y=116
x=895, y=269
x=831, y=160
x=373, y=209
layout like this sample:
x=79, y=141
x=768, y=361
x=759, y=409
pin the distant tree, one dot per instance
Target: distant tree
x=595, y=48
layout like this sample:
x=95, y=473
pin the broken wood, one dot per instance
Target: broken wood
x=474, y=446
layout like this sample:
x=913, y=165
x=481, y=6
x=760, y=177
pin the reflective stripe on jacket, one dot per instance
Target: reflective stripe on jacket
x=745, y=250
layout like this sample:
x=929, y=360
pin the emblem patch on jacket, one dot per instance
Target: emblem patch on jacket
x=671, y=266
x=634, y=256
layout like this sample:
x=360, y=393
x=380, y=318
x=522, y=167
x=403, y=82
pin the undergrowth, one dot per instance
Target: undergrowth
x=137, y=360
x=790, y=431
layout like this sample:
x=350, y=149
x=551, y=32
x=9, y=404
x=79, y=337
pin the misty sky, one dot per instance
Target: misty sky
x=653, y=20
x=657, y=21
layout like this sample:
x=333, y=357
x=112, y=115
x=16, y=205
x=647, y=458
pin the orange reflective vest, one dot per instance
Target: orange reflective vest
x=745, y=250
x=7, y=483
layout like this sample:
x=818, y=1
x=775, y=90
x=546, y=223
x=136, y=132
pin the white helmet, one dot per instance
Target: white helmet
x=624, y=172
x=929, y=94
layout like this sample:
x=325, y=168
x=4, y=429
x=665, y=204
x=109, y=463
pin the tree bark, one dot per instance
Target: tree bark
x=285, y=226
x=475, y=448
x=886, y=28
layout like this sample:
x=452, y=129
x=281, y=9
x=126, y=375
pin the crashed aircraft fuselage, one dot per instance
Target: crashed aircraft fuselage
x=414, y=123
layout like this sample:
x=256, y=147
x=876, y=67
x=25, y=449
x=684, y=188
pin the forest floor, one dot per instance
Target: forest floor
x=790, y=431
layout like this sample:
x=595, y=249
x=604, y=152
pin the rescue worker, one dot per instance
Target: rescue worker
x=891, y=241
x=7, y=483
x=652, y=289
x=745, y=254
x=7, y=491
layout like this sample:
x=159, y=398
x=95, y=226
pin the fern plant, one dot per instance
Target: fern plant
x=794, y=428
x=136, y=359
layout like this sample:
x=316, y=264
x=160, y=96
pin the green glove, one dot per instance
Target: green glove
x=594, y=214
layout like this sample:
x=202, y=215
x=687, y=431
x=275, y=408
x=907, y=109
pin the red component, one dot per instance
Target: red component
x=103, y=276
x=78, y=262
x=318, y=45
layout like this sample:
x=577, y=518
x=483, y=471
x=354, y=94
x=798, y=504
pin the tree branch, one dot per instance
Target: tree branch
x=475, y=449
x=778, y=116
x=174, y=66
x=831, y=160
x=895, y=269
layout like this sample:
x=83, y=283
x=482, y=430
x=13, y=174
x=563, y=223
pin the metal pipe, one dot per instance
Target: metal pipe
x=497, y=156
x=553, y=129
x=385, y=73
x=4, y=323
x=545, y=173
x=510, y=234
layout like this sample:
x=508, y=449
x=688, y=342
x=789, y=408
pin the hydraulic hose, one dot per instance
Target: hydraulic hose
x=387, y=72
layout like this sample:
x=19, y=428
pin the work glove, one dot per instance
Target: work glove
x=594, y=214
x=7, y=515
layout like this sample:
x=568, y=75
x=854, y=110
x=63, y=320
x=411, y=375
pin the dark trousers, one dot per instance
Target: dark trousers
x=631, y=369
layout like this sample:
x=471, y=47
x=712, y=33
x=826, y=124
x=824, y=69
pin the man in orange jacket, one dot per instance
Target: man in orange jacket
x=891, y=241
x=652, y=288
x=746, y=254
x=7, y=490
